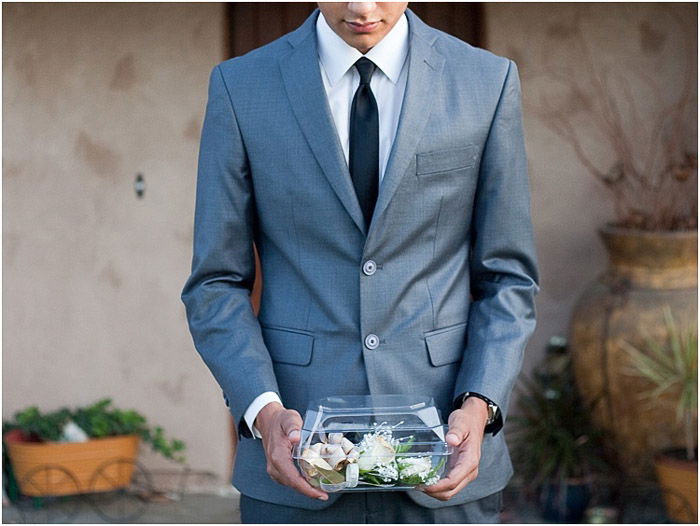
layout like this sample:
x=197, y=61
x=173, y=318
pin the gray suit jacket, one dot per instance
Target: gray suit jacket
x=451, y=300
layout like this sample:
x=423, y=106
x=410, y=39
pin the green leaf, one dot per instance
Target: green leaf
x=411, y=480
x=406, y=447
x=331, y=475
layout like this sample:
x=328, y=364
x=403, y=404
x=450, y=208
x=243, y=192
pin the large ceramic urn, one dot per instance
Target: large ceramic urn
x=647, y=271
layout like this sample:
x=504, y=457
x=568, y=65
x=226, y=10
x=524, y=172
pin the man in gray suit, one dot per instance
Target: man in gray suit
x=379, y=167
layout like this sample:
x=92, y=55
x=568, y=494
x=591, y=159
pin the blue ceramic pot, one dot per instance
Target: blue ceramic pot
x=565, y=503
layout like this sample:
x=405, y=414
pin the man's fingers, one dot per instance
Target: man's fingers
x=458, y=429
x=452, y=488
x=299, y=483
x=463, y=435
x=279, y=440
x=464, y=471
x=285, y=472
x=291, y=423
x=281, y=466
x=462, y=474
x=451, y=481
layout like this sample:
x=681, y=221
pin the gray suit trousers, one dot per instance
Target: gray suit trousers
x=390, y=507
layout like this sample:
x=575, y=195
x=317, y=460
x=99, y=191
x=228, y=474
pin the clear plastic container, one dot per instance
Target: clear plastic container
x=374, y=442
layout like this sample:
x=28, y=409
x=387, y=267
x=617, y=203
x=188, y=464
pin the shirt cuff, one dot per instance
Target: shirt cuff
x=255, y=407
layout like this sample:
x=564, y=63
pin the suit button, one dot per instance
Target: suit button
x=369, y=268
x=372, y=341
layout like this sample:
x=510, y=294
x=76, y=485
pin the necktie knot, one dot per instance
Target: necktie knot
x=365, y=68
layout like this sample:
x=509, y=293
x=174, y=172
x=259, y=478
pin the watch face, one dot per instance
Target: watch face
x=492, y=414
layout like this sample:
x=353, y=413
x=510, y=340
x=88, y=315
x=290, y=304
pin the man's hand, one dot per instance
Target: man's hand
x=466, y=431
x=279, y=428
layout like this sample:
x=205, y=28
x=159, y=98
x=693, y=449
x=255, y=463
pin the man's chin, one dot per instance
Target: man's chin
x=363, y=43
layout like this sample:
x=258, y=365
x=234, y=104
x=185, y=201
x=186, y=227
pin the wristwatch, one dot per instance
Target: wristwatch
x=492, y=408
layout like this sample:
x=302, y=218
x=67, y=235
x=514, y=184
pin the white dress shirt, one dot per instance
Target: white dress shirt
x=340, y=80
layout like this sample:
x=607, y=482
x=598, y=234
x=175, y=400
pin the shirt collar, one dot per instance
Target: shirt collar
x=337, y=57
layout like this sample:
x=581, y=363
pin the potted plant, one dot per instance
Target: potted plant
x=633, y=132
x=35, y=441
x=671, y=366
x=556, y=449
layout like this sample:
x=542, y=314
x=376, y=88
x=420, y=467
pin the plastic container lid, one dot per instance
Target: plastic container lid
x=372, y=442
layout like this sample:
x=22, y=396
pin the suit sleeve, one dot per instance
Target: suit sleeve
x=503, y=269
x=224, y=328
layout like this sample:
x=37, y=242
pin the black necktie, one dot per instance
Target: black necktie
x=364, y=141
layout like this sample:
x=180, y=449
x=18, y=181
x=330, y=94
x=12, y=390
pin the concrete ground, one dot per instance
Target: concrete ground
x=197, y=508
x=220, y=506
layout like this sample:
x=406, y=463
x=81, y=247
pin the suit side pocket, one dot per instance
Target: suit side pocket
x=446, y=345
x=289, y=346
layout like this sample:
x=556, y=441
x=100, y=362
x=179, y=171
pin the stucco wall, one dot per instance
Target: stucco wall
x=92, y=95
x=569, y=205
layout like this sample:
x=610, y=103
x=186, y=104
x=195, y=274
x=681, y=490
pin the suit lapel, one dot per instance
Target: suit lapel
x=304, y=86
x=424, y=72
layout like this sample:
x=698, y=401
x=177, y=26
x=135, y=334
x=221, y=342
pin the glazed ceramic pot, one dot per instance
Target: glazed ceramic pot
x=647, y=272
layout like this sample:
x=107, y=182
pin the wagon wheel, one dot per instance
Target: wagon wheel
x=120, y=489
x=58, y=499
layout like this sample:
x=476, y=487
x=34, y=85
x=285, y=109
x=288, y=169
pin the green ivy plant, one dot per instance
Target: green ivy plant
x=97, y=420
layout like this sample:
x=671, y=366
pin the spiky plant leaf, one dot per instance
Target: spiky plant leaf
x=671, y=365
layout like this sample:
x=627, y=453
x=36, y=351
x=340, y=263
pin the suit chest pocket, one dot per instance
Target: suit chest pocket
x=452, y=161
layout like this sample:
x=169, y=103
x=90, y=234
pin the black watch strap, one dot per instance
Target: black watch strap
x=495, y=422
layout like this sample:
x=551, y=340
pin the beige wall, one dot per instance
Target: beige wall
x=94, y=94
x=568, y=204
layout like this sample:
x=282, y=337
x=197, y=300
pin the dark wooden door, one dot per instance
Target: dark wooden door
x=253, y=24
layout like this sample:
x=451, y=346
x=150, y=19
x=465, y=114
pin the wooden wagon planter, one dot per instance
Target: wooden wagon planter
x=103, y=468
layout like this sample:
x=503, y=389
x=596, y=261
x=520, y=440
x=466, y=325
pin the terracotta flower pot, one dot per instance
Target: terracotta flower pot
x=678, y=478
x=647, y=271
x=57, y=468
